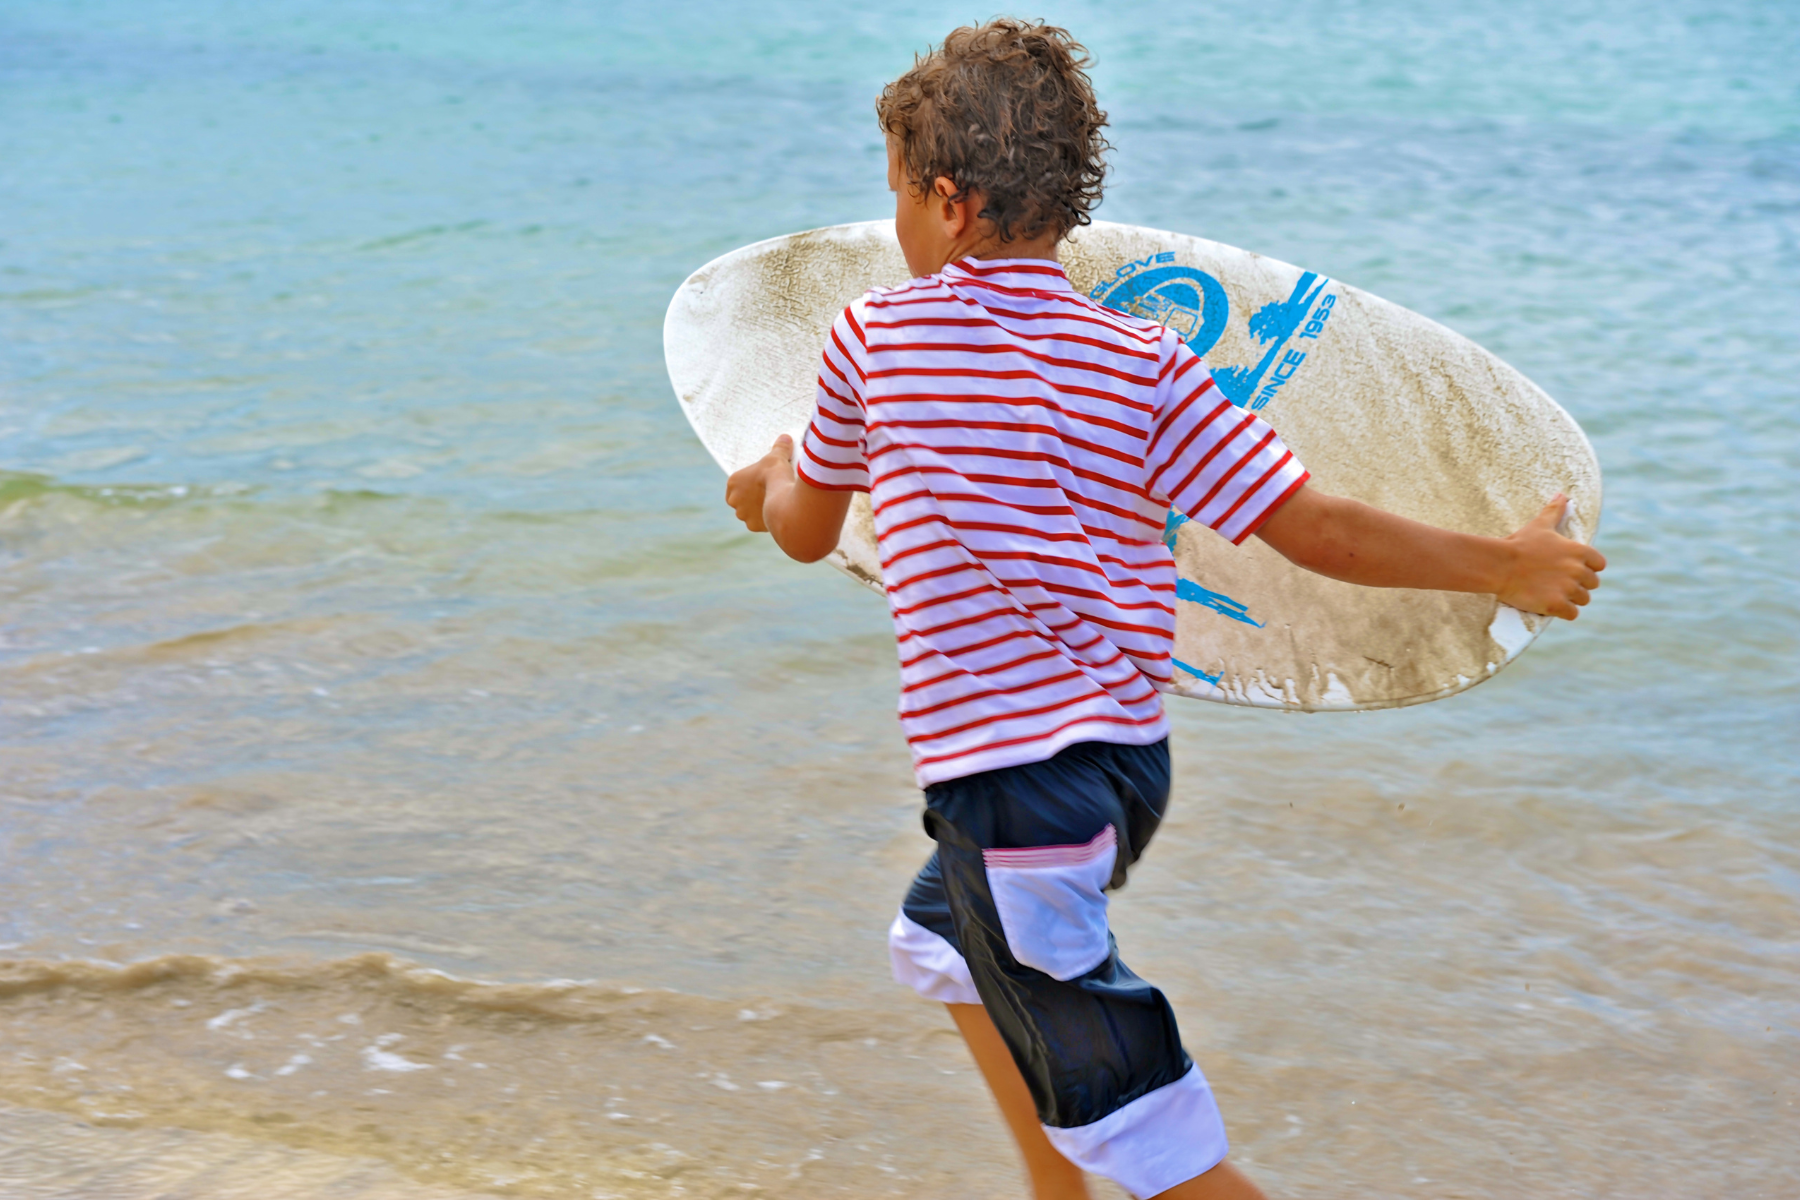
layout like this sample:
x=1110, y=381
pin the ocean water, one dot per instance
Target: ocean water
x=412, y=781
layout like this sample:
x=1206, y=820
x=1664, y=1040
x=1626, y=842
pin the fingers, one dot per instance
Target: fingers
x=745, y=499
x=1571, y=604
x=1594, y=559
x=1551, y=515
x=783, y=448
x=1587, y=579
x=747, y=512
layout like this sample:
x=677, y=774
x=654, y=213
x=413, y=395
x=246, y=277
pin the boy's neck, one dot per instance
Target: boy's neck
x=1043, y=246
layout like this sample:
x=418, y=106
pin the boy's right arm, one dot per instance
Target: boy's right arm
x=804, y=509
x=768, y=497
x=1536, y=568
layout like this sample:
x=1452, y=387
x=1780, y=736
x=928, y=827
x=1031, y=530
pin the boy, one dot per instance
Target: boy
x=1022, y=446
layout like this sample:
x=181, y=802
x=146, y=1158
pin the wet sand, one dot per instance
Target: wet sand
x=46, y=1156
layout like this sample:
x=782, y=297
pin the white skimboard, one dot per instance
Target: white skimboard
x=1379, y=403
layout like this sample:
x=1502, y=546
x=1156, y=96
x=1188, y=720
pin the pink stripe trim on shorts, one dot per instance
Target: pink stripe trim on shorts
x=1054, y=856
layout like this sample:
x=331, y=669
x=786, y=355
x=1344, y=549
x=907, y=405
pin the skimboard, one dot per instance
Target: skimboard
x=1379, y=402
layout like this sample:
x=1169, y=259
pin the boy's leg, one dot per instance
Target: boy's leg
x=1223, y=1182
x=1025, y=856
x=926, y=959
x=1053, y=1177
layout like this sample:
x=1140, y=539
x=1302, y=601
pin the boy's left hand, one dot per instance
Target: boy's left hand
x=1549, y=573
x=748, y=488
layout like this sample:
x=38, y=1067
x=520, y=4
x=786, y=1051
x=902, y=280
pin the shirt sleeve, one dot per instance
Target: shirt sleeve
x=1209, y=459
x=834, y=452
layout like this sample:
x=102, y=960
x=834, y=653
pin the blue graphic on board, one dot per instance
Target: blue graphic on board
x=1225, y=606
x=1212, y=679
x=1171, y=523
x=1275, y=323
x=1194, y=304
x=1187, y=589
x=1190, y=302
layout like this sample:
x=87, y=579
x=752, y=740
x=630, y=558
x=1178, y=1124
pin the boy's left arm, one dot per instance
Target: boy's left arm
x=1536, y=569
x=768, y=497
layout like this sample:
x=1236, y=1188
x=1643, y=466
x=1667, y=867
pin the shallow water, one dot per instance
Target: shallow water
x=363, y=592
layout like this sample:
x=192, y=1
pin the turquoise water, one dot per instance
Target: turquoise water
x=362, y=588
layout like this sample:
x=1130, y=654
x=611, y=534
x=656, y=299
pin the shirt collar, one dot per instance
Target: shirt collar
x=1024, y=274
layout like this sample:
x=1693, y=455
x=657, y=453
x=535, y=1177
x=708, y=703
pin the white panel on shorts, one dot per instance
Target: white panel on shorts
x=928, y=964
x=1052, y=903
x=1155, y=1142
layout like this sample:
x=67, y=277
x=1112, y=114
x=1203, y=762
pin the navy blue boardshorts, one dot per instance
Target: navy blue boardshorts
x=1010, y=913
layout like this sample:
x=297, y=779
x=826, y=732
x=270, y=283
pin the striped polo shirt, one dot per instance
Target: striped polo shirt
x=1022, y=447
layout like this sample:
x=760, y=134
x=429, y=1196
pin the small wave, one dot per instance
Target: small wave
x=18, y=487
x=551, y=1088
x=398, y=979
x=424, y=233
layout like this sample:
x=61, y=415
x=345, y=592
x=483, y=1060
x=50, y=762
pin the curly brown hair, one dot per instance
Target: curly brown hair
x=1005, y=109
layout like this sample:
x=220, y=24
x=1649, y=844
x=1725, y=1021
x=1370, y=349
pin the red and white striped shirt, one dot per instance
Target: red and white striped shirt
x=1022, y=447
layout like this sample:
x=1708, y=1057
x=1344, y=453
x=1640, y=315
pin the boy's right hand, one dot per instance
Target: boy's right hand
x=748, y=489
x=1550, y=574
x=768, y=496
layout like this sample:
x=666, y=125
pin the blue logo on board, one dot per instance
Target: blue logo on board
x=1190, y=302
x=1194, y=304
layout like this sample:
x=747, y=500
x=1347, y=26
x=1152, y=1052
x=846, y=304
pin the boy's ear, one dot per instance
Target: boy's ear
x=955, y=212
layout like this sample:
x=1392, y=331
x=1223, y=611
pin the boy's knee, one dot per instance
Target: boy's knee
x=928, y=964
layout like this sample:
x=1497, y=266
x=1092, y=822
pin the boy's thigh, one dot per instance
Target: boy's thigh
x=1088, y=1034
